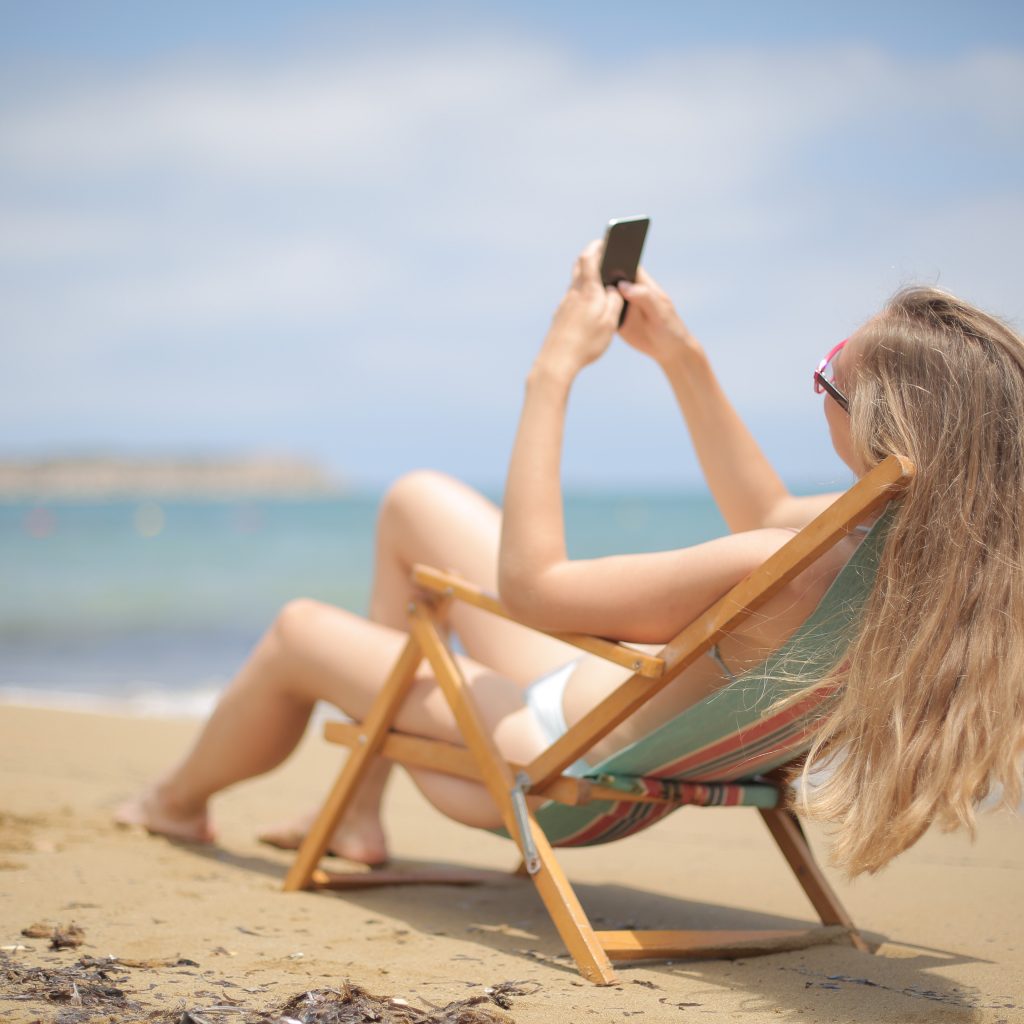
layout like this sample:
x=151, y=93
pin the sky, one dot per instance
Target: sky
x=339, y=230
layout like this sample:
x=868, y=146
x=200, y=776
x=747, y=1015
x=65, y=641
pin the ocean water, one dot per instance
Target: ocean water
x=149, y=607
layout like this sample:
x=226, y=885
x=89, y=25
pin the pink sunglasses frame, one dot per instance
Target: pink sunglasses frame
x=822, y=385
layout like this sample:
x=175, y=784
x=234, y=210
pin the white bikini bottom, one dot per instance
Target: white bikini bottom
x=545, y=699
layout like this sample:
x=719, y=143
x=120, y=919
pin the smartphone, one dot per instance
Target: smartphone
x=623, y=244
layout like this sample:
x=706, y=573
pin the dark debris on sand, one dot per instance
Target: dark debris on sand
x=81, y=989
x=94, y=990
x=350, y=1004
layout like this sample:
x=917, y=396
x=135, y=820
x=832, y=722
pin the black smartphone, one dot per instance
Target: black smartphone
x=623, y=244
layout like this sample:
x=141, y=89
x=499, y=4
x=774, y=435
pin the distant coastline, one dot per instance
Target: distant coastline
x=110, y=477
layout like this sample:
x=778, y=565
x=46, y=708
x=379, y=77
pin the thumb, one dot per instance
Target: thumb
x=638, y=294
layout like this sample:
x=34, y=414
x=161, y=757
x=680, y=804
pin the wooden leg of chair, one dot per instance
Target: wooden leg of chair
x=786, y=830
x=554, y=888
x=371, y=736
x=568, y=915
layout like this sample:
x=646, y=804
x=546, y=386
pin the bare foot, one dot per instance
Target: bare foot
x=360, y=839
x=158, y=817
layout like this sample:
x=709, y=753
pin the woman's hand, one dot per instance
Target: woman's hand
x=584, y=323
x=652, y=325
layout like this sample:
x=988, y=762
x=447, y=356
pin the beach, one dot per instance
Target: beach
x=201, y=927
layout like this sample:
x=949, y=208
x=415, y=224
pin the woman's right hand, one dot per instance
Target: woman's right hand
x=652, y=325
x=584, y=323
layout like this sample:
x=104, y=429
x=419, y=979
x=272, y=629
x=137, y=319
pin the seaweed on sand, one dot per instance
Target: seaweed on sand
x=95, y=990
x=82, y=988
x=351, y=1004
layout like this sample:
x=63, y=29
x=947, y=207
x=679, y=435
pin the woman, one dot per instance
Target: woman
x=931, y=716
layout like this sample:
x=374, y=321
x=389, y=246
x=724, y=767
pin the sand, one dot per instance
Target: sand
x=946, y=916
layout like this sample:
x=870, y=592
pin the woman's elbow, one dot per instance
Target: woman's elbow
x=525, y=595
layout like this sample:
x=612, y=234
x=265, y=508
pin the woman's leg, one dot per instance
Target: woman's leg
x=256, y=724
x=425, y=517
x=431, y=518
x=317, y=652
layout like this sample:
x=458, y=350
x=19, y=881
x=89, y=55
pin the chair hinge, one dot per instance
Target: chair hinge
x=531, y=859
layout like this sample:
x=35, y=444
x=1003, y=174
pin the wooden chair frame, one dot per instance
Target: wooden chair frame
x=509, y=784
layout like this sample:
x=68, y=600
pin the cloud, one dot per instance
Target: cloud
x=371, y=226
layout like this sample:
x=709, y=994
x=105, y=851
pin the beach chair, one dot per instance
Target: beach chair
x=725, y=751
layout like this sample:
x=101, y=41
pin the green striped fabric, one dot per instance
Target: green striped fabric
x=714, y=753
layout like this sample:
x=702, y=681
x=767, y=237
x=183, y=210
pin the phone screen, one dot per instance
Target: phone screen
x=623, y=244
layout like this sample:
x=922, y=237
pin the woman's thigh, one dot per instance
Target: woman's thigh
x=433, y=518
x=331, y=654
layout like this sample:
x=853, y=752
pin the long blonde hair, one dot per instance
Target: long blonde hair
x=931, y=716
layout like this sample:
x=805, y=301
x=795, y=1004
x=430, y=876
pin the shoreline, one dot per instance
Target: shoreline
x=144, y=701
x=113, y=477
x=946, y=914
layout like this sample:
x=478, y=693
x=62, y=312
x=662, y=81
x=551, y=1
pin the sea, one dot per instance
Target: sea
x=149, y=606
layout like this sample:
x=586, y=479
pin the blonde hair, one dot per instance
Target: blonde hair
x=930, y=720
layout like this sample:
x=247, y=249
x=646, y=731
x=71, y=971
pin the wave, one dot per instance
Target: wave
x=145, y=701
x=142, y=702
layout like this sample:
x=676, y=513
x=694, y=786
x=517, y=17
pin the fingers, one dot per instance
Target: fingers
x=648, y=296
x=588, y=263
x=615, y=304
x=639, y=295
x=643, y=277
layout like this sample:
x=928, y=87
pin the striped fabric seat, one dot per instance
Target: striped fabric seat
x=717, y=752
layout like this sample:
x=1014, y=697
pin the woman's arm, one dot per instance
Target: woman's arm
x=533, y=529
x=642, y=598
x=746, y=488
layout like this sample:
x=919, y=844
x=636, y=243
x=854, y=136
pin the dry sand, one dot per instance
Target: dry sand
x=947, y=914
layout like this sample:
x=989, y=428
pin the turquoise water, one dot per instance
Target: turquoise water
x=160, y=602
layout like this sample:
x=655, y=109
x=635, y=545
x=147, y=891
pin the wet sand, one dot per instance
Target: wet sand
x=946, y=916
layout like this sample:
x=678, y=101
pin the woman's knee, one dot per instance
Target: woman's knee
x=296, y=622
x=413, y=489
x=428, y=516
x=414, y=497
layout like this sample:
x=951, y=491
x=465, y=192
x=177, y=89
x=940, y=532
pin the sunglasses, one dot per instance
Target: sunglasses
x=825, y=375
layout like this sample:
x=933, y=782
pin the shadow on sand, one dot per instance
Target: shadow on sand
x=505, y=915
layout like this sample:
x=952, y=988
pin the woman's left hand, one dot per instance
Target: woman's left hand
x=586, y=319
